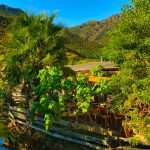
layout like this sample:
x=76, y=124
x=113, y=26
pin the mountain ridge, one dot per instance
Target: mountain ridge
x=88, y=29
x=89, y=39
x=11, y=10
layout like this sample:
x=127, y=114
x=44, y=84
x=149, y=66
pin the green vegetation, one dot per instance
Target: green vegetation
x=3, y=94
x=5, y=21
x=57, y=94
x=130, y=48
x=34, y=44
x=3, y=130
x=38, y=51
x=86, y=42
x=78, y=49
x=7, y=15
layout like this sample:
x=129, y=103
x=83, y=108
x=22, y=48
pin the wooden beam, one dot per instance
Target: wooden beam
x=73, y=134
x=63, y=137
x=81, y=136
x=19, y=110
x=89, y=128
x=96, y=129
x=18, y=116
x=10, y=114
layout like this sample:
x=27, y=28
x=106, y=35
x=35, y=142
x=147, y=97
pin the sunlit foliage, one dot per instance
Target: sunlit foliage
x=130, y=48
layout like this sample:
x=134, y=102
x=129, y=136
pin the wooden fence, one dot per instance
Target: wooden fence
x=63, y=130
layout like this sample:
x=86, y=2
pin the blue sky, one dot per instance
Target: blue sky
x=71, y=12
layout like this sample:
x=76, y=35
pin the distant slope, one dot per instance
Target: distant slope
x=95, y=30
x=87, y=40
x=78, y=46
x=7, y=9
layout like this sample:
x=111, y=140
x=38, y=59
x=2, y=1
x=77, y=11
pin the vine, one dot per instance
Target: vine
x=58, y=93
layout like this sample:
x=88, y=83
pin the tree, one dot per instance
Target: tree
x=34, y=45
x=130, y=48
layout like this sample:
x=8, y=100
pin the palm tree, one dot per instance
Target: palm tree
x=34, y=44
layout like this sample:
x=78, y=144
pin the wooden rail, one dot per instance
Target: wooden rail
x=21, y=116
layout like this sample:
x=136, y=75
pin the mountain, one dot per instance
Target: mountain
x=95, y=30
x=87, y=40
x=7, y=9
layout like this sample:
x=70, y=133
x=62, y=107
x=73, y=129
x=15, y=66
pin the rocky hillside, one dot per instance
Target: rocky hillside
x=88, y=39
x=7, y=9
x=95, y=30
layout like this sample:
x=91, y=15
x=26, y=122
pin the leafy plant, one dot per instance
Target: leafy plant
x=59, y=93
x=129, y=47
